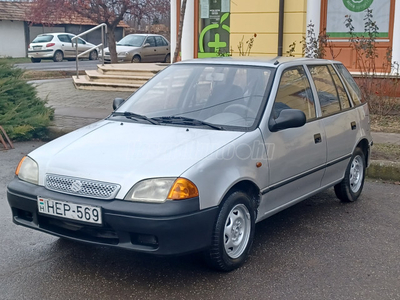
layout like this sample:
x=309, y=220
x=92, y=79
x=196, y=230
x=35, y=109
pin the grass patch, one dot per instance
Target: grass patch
x=385, y=152
x=39, y=75
x=389, y=124
x=15, y=60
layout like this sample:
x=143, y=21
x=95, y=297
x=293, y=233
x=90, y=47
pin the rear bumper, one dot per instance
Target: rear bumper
x=173, y=227
x=41, y=53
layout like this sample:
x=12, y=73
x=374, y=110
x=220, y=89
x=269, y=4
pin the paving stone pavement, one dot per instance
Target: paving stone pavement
x=74, y=108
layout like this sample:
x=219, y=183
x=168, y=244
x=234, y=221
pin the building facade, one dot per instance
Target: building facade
x=216, y=27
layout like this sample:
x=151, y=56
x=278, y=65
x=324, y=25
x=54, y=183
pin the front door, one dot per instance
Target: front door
x=296, y=156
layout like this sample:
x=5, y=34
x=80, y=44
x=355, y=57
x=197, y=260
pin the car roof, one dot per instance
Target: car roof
x=55, y=33
x=145, y=34
x=271, y=61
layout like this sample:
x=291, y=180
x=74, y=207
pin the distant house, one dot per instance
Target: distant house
x=17, y=30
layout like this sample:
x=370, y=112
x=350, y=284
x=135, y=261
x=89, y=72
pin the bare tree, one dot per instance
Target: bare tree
x=179, y=37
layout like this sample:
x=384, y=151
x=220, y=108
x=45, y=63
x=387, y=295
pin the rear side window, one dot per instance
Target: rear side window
x=344, y=98
x=65, y=38
x=326, y=89
x=294, y=92
x=350, y=84
x=43, y=39
x=160, y=41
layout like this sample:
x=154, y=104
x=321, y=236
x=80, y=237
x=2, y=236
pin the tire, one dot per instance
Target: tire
x=36, y=60
x=350, y=188
x=93, y=55
x=58, y=56
x=167, y=58
x=233, y=233
x=136, y=59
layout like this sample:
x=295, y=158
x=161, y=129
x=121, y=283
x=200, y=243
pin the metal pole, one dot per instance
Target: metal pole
x=77, y=68
x=102, y=45
x=280, y=29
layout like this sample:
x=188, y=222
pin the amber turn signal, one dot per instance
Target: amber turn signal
x=183, y=189
x=19, y=166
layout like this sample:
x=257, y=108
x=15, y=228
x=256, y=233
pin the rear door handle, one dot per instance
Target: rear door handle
x=353, y=125
x=317, y=138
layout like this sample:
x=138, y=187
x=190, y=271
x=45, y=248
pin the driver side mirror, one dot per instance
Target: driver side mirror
x=117, y=102
x=146, y=45
x=288, y=118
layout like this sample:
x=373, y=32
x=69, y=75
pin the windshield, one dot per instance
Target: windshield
x=42, y=39
x=228, y=96
x=132, y=40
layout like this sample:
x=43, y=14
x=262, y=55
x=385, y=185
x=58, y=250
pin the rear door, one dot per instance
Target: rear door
x=162, y=48
x=66, y=45
x=296, y=156
x=340, y=120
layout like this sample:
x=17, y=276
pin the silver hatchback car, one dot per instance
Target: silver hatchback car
x=198, y=155
x=58, y=46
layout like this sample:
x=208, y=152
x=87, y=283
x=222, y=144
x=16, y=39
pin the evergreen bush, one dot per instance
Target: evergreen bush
x=23, y=114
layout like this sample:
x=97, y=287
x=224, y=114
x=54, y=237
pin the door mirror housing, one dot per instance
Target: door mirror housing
x=288, y=118
x=146, y=45
x=117, y=103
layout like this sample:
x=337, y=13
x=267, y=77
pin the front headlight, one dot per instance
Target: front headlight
x=28, y=170
x=122, y=54
x=159, y=190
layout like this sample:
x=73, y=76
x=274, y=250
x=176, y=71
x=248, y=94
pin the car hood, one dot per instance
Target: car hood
x=125, y=153
x=124, y=49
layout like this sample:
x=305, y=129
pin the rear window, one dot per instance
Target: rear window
x=350, y=84
x=43, y=39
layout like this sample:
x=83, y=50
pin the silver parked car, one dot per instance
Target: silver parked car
x=198, y=155
x=58, y=46
x=138, y=48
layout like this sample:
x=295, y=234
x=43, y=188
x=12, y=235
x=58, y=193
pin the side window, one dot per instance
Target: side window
x=294, y=92
x=151, y=40
x=350, y=84
x=160, y=41
x=80, y=41
x=344, y=98
x=326, y=89
x=64, y=38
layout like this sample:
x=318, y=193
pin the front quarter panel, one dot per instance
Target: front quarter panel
x=216, y=174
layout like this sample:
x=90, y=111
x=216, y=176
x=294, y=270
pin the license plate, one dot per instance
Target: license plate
x=37, y=47
x=69, y=210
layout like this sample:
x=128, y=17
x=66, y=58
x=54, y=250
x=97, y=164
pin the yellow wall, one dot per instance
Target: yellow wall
x=261, y=17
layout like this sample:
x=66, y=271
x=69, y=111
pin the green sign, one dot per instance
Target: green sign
x=357, y=5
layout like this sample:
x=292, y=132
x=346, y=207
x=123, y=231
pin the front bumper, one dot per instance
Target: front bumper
x=173, y=227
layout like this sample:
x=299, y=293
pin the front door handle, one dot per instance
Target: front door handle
x=353, y=125
x=317, y=138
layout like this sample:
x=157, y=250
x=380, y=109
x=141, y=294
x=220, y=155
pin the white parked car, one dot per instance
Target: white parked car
x=198, y=155
x=58, y=46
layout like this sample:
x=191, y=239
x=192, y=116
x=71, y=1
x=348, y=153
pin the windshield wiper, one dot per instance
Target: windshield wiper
x=136, y=117
x=186, y=121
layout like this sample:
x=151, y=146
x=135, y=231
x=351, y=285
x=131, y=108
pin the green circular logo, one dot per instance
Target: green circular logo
x=357, y=5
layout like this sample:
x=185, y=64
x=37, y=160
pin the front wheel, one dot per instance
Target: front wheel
x=350, y=188
x=136, y=59
x=233, y=233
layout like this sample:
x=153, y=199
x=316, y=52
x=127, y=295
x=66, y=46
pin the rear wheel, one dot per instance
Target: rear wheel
x=58, y=56
x=136, y=59
x=93, y=55
x=350, y=188
x=233, y=233
x=36, y=60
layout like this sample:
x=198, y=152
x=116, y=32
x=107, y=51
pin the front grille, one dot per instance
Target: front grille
x=107, y=53
x=81, y=187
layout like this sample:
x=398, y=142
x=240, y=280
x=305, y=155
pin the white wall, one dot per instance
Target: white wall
x=12, y=37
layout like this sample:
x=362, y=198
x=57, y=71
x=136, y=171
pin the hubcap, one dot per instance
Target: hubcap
x=237, y=231
x=356, y=173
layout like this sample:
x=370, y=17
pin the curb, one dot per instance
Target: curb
x=384, y=169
